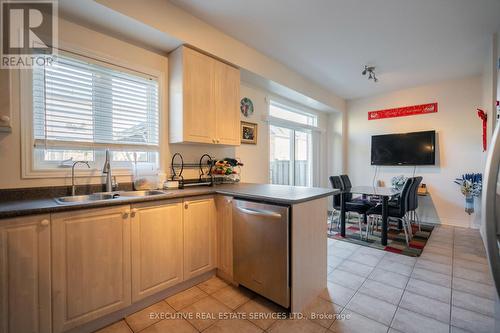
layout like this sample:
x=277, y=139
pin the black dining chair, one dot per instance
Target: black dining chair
x=352, y=205
x=413, y=202
x=346, y=184
x=399, y=211
x=336, y=183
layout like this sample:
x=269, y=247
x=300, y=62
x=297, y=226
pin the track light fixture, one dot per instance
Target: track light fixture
x=371, y=73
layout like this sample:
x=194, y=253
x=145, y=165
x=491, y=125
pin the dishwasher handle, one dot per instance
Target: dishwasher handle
x=264, y=213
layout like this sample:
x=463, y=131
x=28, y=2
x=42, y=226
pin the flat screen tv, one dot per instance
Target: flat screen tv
x=416, y=148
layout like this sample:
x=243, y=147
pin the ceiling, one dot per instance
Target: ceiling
x=329, y=41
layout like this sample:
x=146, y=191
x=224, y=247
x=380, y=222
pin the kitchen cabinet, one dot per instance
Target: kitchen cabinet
x=227, y=103
x=90, y=265
x=157, y=247
x=5, y=99
x=199, y=236
x=25, y=274
x=225, y=236
x=204, y=99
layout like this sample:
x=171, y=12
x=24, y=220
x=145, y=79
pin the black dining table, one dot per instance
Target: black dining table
x=383, y=192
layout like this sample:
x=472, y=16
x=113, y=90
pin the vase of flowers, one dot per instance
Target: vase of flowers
x=471, y=185
x=398, y=182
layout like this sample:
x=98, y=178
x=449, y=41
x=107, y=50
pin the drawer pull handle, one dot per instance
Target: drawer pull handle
x=44, y=222
x=134, y=211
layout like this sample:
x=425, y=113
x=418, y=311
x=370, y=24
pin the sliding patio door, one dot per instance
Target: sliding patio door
x=290, y=156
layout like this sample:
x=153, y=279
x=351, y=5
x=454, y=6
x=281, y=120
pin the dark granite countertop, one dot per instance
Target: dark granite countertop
x=280, y=194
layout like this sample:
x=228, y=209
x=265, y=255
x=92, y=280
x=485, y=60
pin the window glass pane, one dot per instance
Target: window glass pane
x=281, y=140
x=303, y=159
x=282, y=112
x=81, y=107
x=290, y=156
x=58, y=155
x=131, y=156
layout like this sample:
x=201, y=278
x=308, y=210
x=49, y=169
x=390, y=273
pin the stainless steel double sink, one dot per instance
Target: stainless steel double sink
x=108, y=196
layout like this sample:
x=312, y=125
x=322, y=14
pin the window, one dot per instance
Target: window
x=291, y=146
x=81, y=108
x=287, y=113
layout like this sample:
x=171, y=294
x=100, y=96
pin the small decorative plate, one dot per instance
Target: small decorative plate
x=246, y=106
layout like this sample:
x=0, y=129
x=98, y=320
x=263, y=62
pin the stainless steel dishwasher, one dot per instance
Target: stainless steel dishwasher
x=261, y=249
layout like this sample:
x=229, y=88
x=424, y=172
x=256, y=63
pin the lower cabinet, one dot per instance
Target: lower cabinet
x=25, y=275
x=93, y=262
x=156, y=247
x=90, y=265
x=199, y=236
x=225, y=236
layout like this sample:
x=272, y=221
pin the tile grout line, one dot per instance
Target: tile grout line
x=344, y=308
x=402, y=294
x=358, y=292
x=130, y=328
x=452, y=265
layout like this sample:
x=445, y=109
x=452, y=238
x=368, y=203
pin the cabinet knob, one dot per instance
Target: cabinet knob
x=44, y=222
x=217, y=140
x=5, y=119
x=213, y=140
x=134, y=211
x=186, y=206
x=125, y=214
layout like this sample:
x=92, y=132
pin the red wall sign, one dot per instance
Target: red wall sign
x=404, y=111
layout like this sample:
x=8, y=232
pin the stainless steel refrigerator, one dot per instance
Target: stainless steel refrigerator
x=490, y=223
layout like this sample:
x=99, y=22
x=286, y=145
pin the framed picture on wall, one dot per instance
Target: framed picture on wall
x=248, y=132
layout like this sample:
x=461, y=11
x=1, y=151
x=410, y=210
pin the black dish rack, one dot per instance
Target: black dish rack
x=205, y=165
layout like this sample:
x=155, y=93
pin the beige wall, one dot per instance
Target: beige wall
x=489, y=81
x=459, y=147
x=255, y=157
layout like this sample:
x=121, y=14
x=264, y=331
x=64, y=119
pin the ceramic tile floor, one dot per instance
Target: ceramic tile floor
x=447, y=289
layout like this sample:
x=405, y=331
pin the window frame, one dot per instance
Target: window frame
x=291, y=107
x=293, y=127
x=28, y=151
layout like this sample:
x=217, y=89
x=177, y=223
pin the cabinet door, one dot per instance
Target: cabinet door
x=5, y=99
x=25, y=274
x=156, y=247
x=227, y=100
x=90, y=265
x=225, y=236
x=199, y=115
x=199, y=237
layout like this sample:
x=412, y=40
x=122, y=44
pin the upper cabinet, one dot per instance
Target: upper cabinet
x=5, y=91
x=204, y=99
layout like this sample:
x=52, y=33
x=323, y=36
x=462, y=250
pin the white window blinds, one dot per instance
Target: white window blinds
x=79, y=104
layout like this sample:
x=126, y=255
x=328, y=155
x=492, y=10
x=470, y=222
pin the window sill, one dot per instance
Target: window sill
x=66, y=173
